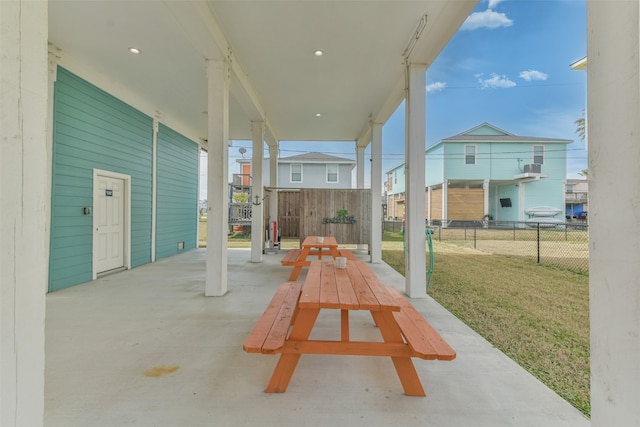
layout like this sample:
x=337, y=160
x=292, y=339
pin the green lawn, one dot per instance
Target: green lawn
x=537, y=315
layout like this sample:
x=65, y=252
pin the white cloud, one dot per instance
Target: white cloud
x=493, y=3
x=435, y=87
x=487, y=19
x=530, y=75
x=496, y=81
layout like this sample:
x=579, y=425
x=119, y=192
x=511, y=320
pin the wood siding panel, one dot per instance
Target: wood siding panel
x=177, y=193
x=92, y=129
x=436, y=204
x=465, y=204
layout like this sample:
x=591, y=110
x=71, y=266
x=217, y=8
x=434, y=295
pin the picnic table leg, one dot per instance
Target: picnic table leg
x=287, y=363
x=295, y=273
x=344, y=325
x=404, y=365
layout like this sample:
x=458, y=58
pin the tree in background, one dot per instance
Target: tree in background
x=581, y=130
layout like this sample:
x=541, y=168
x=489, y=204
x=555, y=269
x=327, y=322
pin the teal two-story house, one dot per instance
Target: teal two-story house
x=489, y=173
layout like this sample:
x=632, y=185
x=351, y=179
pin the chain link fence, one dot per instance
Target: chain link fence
x=559, y=244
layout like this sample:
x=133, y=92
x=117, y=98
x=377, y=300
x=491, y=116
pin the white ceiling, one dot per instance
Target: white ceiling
x=270, y=45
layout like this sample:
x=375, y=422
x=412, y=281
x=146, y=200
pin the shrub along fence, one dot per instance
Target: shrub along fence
x=563, y=244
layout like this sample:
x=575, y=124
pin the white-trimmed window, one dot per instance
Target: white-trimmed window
x=470, y=152
x=296, y=172
x=332, y=173
x=538, y=154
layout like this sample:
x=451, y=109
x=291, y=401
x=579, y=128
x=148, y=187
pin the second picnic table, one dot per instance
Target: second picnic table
x=314, y=246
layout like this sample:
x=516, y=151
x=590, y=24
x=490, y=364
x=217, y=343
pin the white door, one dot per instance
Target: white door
x=108, y=222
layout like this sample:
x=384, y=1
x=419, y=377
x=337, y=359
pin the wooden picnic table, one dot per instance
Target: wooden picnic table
x=310, y=247
x=405, y=333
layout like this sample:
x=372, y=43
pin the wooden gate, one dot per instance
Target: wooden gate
x=289, y=213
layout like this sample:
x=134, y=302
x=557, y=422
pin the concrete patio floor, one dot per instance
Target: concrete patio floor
x=104, y=338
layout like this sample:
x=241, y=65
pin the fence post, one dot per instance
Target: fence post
x=538, y=243
x=474, y=237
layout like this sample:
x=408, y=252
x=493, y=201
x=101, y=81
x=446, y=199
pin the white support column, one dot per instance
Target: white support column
x=24, y=207
x=217, y=177
x=415, y=261
x=375, y=248
x=257, y=192
x=614, y=271
x=485, y=189
x=273, y=183
x=360, y=176
x=359, y=167
x=521, y=200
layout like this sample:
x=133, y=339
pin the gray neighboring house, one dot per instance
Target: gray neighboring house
x=308, y=170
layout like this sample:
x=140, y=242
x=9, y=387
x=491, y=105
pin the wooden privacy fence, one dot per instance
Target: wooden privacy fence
x=342, y=213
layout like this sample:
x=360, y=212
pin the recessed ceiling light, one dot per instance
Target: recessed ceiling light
x=318, y=52
x=134, y=50
x=318, y=115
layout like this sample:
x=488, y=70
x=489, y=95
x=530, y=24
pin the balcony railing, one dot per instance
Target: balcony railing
x=239, y=213
x=576, y=197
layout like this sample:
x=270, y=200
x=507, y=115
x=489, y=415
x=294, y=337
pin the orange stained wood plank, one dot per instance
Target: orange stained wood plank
x=256, y=338
x=280, y=328
x=310, y=297
x=346, y=293
x=423, y=339
x=387, y=302
x=366, y=298
x=349, y=348
x=328, y=290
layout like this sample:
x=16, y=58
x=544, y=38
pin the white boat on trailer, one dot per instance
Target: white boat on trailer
x=542, y=211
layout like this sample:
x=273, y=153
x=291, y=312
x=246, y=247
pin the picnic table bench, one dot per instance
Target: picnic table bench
x=286, y=324
x=269, y=334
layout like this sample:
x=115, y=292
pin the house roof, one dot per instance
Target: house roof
x=315, y=157
x=396, y=167
x=487, y=132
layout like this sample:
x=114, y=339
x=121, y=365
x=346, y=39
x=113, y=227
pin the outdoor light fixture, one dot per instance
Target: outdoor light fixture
x=134, y=50
x=318, y=52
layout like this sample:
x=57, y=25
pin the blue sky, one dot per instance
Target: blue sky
x=507, y=65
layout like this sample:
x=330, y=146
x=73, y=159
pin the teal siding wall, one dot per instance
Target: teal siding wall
x=456, y=168
x=434, y=165
x=546, y=192
x=92, y=129
x=506, y=214
x=177, y=193
x=397, y=180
